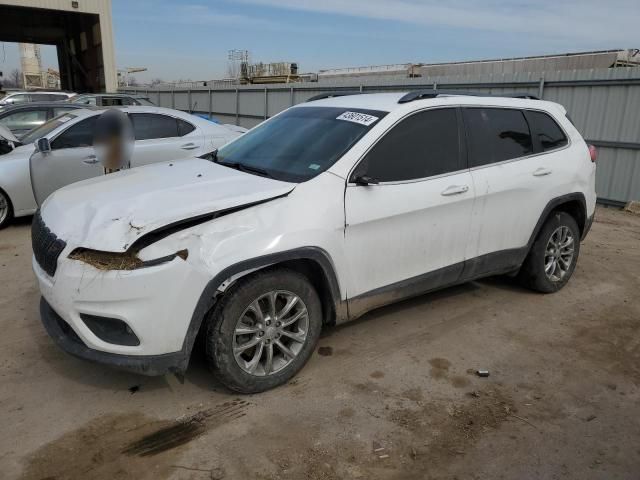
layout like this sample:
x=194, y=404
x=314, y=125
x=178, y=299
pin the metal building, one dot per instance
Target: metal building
x=81, y=31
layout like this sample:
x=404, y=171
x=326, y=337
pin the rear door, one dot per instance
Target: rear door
x=409, y=232
x=161, y=138
x=514, y=178
x=72, y=158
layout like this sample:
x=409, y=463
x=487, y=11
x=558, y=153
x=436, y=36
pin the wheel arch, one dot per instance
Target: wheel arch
x=313, y=262
x=574, y=204
x=11, y=211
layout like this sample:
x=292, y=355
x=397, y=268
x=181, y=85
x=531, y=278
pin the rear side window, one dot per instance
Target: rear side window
x=184, y=127
x=78, y=135
x=546, y=130
x=150, y=125
x=496, y=134
x=20, y=98
x=423, y=145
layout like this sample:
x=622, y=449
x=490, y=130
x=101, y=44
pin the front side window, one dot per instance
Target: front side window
x=496, y=134
x=547, y=131
x=150, y=125
x=423, y=145
x=24, y=120
x=300, y=143
x=46, y=128
x=78, y=135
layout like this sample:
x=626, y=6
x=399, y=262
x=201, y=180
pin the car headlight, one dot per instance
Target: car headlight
x=120, y=260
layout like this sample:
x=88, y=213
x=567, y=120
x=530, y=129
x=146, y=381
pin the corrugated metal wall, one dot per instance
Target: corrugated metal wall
x=604, y=105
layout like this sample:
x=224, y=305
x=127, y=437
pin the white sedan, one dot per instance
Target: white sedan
x=28, y=176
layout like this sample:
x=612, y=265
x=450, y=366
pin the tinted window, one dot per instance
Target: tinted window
x=546, y=130
x=423, y=145
x=113, y=102
x=24, y=120
x=184, y=127
x=150, y=125
x=46, y=97
x=84, y=100
x=78, y=135
x=496, y=134
x=300, y=143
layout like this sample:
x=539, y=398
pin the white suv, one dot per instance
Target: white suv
x=327, y=210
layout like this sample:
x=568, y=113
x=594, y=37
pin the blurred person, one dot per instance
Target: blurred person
x=113, y=140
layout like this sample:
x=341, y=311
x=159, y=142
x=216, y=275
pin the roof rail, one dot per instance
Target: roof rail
x=422, y=94
x=332, y=95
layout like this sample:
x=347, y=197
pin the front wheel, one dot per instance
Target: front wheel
x=6, y=212
x=263, y=330
x=553, y=255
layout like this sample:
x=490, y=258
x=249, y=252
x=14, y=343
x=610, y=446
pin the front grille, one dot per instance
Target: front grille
x=46, y=246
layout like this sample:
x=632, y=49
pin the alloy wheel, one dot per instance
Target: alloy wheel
x=559, y=253
x=270, y=333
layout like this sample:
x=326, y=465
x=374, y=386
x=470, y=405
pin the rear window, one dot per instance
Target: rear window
x=496, y=134
x=546, y=131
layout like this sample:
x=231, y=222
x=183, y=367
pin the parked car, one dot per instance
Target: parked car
x=316, y=216
x=110, y=100
x=36, y=96
x=20, y=118
x=66, y=155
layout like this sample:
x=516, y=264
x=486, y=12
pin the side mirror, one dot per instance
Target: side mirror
x=363, y=180
x=43, y=145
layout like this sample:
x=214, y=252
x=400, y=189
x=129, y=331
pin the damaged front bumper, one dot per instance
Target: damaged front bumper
x=66, y=338
x=138, y=320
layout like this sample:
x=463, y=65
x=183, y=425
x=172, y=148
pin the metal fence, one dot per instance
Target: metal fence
x=603, y=104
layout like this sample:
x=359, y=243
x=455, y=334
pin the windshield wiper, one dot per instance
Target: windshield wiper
x=244, y=168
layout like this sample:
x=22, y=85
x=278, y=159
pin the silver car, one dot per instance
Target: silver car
x=60, y=152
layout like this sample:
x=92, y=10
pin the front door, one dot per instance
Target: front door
x=72, y=158
x=408, y=233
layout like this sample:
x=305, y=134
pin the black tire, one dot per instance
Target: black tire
x=532, y=274
x=222, y=322
x=4, y=199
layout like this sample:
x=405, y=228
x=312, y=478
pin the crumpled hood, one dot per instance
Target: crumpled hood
x=110, y=212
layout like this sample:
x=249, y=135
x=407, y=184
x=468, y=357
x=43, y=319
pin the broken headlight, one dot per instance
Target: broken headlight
x=120, y=260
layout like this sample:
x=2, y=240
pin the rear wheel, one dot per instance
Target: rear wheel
x=6, y=211
x=553, y=256
x=263, y=330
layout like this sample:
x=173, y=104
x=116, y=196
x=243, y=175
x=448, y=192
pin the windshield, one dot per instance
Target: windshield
x=46, y=128
x=301, y=142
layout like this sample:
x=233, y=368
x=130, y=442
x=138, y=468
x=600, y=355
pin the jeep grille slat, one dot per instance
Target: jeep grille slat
x=46, y=246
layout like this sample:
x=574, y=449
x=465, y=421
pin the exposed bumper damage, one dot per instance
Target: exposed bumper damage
x=66, y=338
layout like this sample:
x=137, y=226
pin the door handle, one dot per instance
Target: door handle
x=454, y=190
x=189, y=146
x=90, y=160
x=541, y=172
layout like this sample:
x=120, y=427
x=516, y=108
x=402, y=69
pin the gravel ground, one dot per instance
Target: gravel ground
x=393, y=395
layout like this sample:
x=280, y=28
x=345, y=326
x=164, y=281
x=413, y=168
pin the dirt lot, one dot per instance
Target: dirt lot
x=393, y=395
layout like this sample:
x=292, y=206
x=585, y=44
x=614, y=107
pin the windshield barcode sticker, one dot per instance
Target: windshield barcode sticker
x=356, y=117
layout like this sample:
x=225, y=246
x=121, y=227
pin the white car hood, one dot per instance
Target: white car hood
x=109, y=213
x=6, y=134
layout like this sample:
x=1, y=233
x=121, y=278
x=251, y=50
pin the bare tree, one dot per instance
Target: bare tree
x=156, y=81
x=133, y=82
x=14, y=79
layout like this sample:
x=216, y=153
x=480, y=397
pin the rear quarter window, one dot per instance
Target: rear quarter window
x=546, y=131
